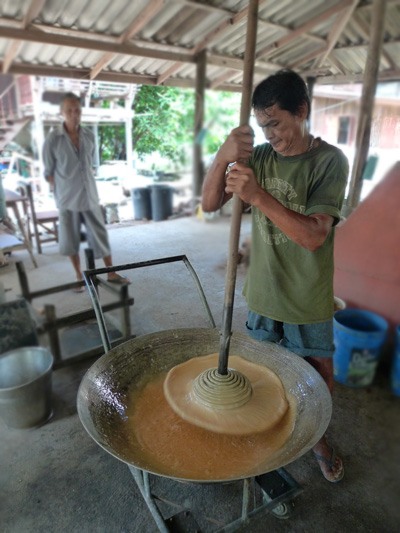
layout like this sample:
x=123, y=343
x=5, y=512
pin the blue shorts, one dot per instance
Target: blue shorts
x=306, y=340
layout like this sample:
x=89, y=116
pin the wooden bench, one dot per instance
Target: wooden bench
x=12, y=200
x=44, y=222
x=9, y=243
x=76, y=336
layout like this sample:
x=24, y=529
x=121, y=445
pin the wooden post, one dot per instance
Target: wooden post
x=89, y=259
x=198, y=168
x=51, y=327
x=310, y=86
x=366, y=105
x=128, y=128
x=125, y=318
x=23, y=281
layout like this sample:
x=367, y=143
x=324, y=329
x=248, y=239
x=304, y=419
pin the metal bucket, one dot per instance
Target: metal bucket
x=104, y=392
x=25, y=387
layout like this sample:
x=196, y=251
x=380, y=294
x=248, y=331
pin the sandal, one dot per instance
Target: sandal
x=79, y=289
x=334, y=464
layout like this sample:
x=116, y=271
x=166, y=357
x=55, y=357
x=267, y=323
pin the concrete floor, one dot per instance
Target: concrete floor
x=55, y=478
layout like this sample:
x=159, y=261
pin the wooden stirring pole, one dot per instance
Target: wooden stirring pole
x=245, y=108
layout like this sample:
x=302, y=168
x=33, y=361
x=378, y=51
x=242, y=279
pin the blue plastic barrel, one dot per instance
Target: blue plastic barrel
x=395, y=377
x=359, y=337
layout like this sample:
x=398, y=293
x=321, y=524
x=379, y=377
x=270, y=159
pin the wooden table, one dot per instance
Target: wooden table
x=13, y=199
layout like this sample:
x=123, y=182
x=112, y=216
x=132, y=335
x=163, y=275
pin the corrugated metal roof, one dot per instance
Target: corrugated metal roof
x=157, y=41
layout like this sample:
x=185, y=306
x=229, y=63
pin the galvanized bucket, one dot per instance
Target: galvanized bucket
x=25, y=387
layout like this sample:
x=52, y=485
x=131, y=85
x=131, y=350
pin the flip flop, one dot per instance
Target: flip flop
x=330, y=463
x=79, y=289
x=120, y=280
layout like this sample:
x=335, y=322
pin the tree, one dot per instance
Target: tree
x=164, y=122
x=222, y=113
x=112, y=144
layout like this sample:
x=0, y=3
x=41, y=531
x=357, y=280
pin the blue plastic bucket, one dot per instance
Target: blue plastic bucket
x=358, y=337
x=395, y=377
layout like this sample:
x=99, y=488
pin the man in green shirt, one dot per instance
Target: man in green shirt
x=295, y=184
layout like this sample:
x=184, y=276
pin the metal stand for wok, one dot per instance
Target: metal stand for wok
x=277, y=489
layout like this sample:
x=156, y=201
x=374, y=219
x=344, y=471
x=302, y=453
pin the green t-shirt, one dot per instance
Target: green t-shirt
x=286, y=282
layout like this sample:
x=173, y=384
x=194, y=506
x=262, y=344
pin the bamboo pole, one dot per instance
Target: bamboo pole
x=366, y=104
x=245, y=108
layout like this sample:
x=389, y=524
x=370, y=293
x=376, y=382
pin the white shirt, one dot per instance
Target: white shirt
x=74, y=183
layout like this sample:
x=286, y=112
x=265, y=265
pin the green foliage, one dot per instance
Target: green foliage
x=164, y=123
x=112, y=143
x=222, y=113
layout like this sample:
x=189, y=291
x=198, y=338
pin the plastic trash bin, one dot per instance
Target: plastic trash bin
x=161, y=201
x=141, y=203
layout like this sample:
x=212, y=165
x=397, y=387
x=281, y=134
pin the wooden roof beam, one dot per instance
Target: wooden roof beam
x=207, y=7
x=384, y=76
x=15, y=45
x=318, y=19
x=341, y=22
x=363, y=28
x=308, y=57
x=114, y=77
x=173, y=69
x=202, y=45
x=142, y=79
x=234, y=18
x=32, y=35
x=219, y=30
x=140, y=21
x=125, y=48
x=228, y=75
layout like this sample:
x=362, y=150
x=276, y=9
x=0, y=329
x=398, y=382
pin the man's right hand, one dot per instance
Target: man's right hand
x=238, y=145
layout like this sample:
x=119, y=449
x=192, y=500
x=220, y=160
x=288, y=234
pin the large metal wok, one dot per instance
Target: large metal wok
x=105, y=390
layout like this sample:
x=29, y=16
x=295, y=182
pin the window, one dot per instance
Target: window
x=344, y=130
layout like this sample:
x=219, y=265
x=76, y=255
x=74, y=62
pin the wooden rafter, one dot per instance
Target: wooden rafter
x=323, y=75
x=140, y=21
x=363, y=28
x=279, y=45
x=15, y=45
x=334, y=34
x=309, y=25
x=227, y=75
x=308, y=57
x=170, y=71
x=106, y=76
x=207, y=39
x=91, y=43
x=215, y=33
